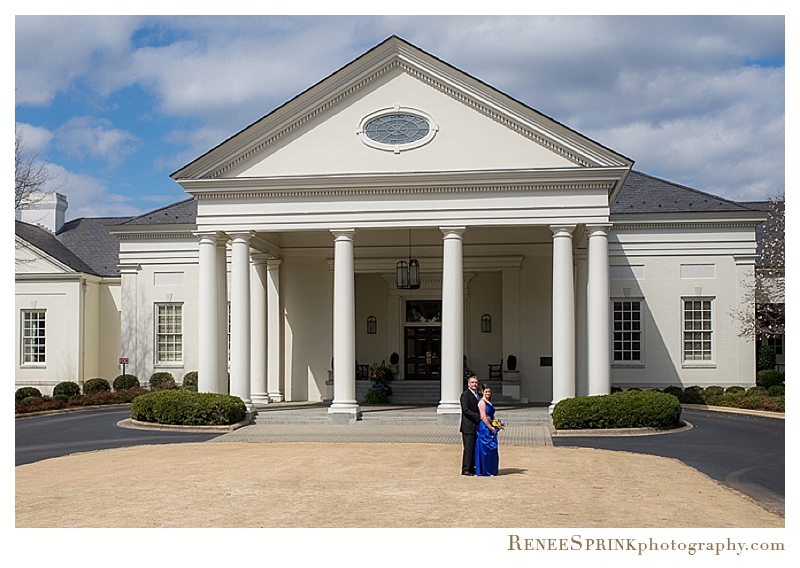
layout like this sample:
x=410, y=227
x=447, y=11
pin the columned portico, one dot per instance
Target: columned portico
x=563, y=314
x=240, y=317
x=598, y=324
x=258, y=332
x=344, y=407
x=449, y=409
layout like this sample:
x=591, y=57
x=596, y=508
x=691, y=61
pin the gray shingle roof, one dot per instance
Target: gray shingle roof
x=47, y=242
x=183, y=212
x=642, y=193
x=90, y=240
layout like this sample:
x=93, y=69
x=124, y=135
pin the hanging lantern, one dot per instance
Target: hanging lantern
x=402, y=274
x=408, y=272
x=413, y=274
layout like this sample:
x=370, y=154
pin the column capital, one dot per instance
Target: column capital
x=346, y=234
x=274, y=263
x=598, y=229
x=213, y=236
x=242, y=236
x=452, y=232
x=562, y=230
x=259, y=258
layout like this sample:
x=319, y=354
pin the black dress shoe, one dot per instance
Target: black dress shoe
x=467, y=473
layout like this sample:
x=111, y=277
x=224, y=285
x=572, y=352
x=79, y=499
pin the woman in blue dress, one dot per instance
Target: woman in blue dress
x=486, y=457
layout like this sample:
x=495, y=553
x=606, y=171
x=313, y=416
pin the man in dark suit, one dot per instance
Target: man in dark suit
x=470, y=416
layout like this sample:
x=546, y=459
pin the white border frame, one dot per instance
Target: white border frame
x=397, y=148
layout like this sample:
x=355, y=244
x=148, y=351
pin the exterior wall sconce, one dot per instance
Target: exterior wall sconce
x=372, y=325
x=486, y=323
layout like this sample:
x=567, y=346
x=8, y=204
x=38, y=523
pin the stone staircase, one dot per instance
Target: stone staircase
x=424, y=392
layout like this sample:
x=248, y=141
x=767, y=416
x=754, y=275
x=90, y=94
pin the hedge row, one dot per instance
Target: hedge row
x=625, y=409
x=188, y=408
x=755, y=398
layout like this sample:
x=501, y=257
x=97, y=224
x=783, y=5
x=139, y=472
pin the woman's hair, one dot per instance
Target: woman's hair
x=484, y=386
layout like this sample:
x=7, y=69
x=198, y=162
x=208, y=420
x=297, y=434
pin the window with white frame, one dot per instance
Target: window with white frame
x=169, y=333
x=697, y=329
x=627, y=331
x=33, y=336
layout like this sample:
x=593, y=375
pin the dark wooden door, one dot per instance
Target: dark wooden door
x=423, y=357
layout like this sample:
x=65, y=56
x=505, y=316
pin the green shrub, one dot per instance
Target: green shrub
x=68, y=388
x=713, y=391
x=769, y=378
x=734, y=389
x=26, y=392
x=777, y=390
x=61, y=397
x=756, y=391
x=765, y=359
x=377, y=395
x=691, y=395
x=30, y=400
x=674, y=391
x=627, y=409
x=190, y=381
x=188, y=408
x=162, y=381
x=126, y=381
x=96, y=385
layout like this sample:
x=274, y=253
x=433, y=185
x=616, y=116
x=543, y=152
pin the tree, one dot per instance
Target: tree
x=763, y=313
x=31, y=173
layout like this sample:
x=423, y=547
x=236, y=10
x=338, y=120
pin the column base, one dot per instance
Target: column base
x=275, y=397
x=448, y=413
x=344, y=413
x=260, y=398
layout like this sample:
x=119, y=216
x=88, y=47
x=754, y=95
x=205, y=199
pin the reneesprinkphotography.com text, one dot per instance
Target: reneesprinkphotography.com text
x=639, y=546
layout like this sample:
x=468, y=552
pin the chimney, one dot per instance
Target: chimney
x=46, y=210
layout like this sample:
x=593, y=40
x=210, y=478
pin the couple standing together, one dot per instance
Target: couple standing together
x=479, y=436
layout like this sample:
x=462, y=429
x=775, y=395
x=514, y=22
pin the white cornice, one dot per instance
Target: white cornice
x=566, y=179
x=396, y=55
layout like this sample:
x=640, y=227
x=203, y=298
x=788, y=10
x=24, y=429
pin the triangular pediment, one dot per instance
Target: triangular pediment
x=28, y=259
x=474, y=127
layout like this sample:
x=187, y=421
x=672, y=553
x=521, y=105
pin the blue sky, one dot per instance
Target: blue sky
x=115, y=104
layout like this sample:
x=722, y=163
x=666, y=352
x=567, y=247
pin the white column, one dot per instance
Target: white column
x=258, y=329
x=344, y=407
x=222, y=314
x=449, y=409
x=207, y=333
x=598, y=317
x=274, y=331
x=240, y=317
x=581, y=276
x=563, y=314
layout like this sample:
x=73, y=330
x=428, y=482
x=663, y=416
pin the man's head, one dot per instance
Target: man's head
x=472, y=383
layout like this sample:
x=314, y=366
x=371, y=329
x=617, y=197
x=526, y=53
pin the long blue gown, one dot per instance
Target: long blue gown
x=486, y=457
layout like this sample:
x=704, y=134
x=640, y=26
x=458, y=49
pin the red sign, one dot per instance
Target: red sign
x=123, y=361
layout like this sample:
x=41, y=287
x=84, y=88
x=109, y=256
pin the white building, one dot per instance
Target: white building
x=532, y=240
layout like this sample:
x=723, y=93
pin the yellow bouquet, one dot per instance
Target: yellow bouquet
x=497, y=425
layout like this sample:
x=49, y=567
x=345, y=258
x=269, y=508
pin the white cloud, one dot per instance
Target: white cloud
x=52, y=51
x=88, y=136
x=34, y=138
x=88, y=196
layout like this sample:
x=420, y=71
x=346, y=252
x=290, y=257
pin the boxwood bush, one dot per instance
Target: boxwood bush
x=188, y=408
x=162, y=381
x=190, y=381
x=769, y=378
x=626, y=409
x=26, y=392
x=67, y=388
x=126, y=381
x=96, y=385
